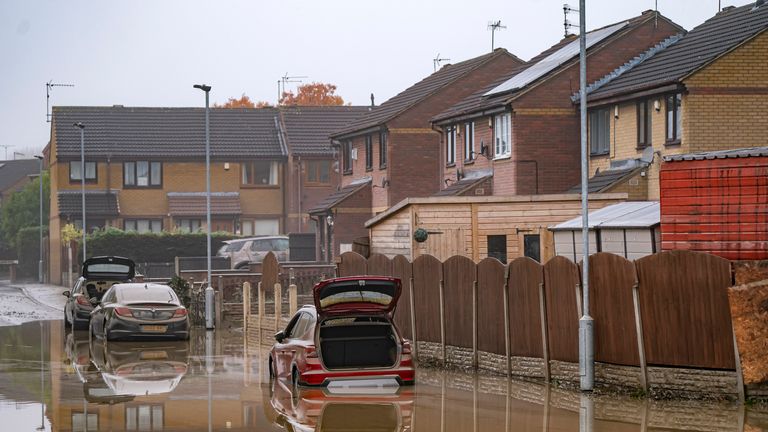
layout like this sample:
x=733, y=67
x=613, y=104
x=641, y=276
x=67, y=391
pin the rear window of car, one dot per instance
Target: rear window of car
x=279, y=244
x=356, y=297
x=108, y=268
x=151, y=294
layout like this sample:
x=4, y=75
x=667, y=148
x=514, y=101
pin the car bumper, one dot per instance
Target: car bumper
x=120, y=329
x=360, y=378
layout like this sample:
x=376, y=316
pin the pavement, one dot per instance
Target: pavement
x=20, y=303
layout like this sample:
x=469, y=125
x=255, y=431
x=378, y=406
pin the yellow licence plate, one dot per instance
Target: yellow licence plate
x=153, y=328
x=153, y=355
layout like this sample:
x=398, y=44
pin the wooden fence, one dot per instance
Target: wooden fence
x=667, y=310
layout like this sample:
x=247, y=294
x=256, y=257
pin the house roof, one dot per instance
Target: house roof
x=701, y=46
x=309, y=128
x=194, y=203
x=418, y=92
x=178, y=133
x=12, y=171
x=463, y=185
x=604, y=180
x=720, y=154
x=631, y=214
x=481, y=102
x=340, y=195
x=97, y=203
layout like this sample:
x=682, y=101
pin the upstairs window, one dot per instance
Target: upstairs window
x=346, y=156
x=469, y=141
x=502, y=136
x=599, y=132
x=368, y=152
x=674, y=118
x=142, y=174
x=75, y=168
x=450, y=145
x=318, y=172
x=382, y=149
x=644, y=123
x=260, y=173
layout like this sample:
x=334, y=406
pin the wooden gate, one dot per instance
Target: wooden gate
x=352, y=264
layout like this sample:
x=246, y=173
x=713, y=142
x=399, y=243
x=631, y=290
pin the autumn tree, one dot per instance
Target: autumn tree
x=313, y=94
x=243, y=102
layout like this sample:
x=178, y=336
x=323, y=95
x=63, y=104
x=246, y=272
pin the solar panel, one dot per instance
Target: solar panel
x=553, y=60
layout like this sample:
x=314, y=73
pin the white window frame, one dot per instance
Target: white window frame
x=469, y=141
x=502, y=136
x=143, y=225
x=450, y=145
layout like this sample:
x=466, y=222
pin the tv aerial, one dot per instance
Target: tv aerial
x=48, y=88
x=493, y=26
x=437, y=60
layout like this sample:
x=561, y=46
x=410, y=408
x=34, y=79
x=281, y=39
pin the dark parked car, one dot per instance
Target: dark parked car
x=347, y=339
x=139, y=311
x=98, y=274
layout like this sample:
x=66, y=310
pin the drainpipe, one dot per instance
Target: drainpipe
x=298, y=193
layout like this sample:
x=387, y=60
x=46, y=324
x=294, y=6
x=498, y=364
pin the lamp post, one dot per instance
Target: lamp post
x=209, y=324
x=40, y=179
x=81, y=126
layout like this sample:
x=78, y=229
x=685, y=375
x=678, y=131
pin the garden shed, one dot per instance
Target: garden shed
x=629, y=229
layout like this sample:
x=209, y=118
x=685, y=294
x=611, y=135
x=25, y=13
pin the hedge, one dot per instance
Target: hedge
x=152, y=247
x=28, y=251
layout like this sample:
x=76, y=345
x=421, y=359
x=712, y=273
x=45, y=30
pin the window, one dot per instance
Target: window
x=450, y=145
x=319, y=172
x=674, y=119
x=93, y=223
x=346, y=149
x=644, y=118
x=599, y=132
x=497, y=247
x=188, y=225
x=469, y=141
x=260, y=173
x=502, y=137
x=85, y=422
x=74, y=172
x=368, y=152
x=532, y=246
x=143, y=225
x=382, y=149
x=144, y=418
x=266, y=227
x=142, y=174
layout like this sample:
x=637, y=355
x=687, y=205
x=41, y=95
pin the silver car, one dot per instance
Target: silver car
x=254, y=249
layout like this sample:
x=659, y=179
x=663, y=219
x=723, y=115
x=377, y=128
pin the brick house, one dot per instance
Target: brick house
x=706, y=90
x=15, y=174
x=392, y=152
x=519, y=135
x=145, y=171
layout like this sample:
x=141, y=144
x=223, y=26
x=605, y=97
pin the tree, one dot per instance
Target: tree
x=22, y=209
x=313, y=94
x=243, y=102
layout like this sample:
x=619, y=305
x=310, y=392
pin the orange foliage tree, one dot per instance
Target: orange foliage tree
x=243, y=102
x=314, y=94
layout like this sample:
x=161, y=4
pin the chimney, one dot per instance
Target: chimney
x=373, y=101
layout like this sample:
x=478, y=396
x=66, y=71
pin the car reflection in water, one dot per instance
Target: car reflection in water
x=136, y=368
x=334, y=410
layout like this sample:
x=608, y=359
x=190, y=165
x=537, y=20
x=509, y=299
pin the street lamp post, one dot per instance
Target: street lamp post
x=209, y=324
x=40, y=179
x=81, y=126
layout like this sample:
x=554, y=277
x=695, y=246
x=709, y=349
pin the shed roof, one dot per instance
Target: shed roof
x=720, y=154
x=631, y=214
x=605, y=180
x=309, y=128
x=463, y=185
x=340, y=195
x=168, y=133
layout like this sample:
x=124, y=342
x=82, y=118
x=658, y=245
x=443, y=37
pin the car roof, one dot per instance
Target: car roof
x=264, y=237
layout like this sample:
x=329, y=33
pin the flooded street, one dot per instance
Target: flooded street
x=54, y=380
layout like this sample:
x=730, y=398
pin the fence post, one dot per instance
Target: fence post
x=217, y=305
x=293, y=300
x=474, y=322
x=639, y=330
x=505, y=296
x=544, y=333
x=442, y=320
x=415, y=346
x=260, y=319
x=278, y=306
x=246, y=304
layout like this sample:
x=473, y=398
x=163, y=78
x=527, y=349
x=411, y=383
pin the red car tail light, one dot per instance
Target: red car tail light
x=406, y=347
x=123, y=311
x=180, y=312
x=81, y=300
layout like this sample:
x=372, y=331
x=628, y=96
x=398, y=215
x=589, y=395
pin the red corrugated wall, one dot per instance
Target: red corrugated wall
x=718, y=206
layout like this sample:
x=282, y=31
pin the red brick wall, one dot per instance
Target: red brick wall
x=414, y=166
x=483, y=134
x=310, y=195
x=349, y=218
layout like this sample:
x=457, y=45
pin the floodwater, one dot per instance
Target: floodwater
x=52, y=380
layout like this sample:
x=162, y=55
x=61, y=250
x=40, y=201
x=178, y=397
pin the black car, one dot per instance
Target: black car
x=97, y=276
x=139, y=311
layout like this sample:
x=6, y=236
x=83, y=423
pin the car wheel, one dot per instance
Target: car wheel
x=272, y=372
x=67, y=324
x=105, y=331
x=295, y=387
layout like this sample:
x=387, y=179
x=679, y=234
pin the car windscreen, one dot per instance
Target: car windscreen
x=353, y=292
x=150, y=294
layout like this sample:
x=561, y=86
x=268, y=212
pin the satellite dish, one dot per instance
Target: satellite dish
x=647, y=156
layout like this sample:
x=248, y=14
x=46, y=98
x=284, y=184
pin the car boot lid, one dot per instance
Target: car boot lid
x=108, y=267
x=357, y=294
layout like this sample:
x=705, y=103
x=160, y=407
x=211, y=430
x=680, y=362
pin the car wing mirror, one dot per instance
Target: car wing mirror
x=94, y=301
x=280, y=336
x=66, y=293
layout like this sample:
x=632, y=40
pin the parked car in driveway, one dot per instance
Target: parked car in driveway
x=347, y=339
x=139, y=311
x=98, y=274
x=254, y=249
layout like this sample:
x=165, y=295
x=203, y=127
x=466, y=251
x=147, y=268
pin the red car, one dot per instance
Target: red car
x=347, y=340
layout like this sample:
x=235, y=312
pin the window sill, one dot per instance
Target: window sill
x=77, y=182
x=502, y=157
x=383, y=167
x=317, y=185
x=642, y=146
x=672, y=143
x=143, y=187
x=368, y=169
x=346, y=173
x=250, y=186
x=599, y=155
x=450, y=165
x=469, y=162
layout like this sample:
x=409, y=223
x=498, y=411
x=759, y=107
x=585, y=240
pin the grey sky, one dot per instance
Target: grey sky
x=149, y=53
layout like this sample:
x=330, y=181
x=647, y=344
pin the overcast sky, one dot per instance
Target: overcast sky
x=149, y=53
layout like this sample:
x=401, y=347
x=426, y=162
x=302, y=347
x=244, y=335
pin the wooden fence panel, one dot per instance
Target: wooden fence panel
x=401, y=269
x=490, y=308
x=684, y=306
x=561, y=276
x=352, y=264
x=525, y=276
x=459, y=274
x=269, y=271
x=379, y=265
x=427, y=274
x=611, y=278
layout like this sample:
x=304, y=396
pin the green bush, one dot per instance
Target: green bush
x=181, y=287
x=151, y=247
x=28, y=251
